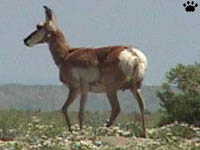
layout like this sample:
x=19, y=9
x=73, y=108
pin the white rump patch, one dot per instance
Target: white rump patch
x=131, y=57
x=127, y=63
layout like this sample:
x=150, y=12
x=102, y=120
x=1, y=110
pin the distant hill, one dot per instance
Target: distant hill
x=52, y=97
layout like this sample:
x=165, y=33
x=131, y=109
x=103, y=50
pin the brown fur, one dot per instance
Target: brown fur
x=57, y=40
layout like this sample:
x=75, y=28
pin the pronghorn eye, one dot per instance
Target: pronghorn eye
x=39, y=27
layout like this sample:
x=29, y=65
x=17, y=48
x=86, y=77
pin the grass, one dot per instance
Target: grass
x=28, y=130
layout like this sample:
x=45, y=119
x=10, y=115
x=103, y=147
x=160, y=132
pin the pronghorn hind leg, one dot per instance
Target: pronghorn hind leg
x=112, y=97
x=73, y=93
x=137, y=93
x=81, y=109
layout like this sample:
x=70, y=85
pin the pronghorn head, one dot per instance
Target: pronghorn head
x=43, y=31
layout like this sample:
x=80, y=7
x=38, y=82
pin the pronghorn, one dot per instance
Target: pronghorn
x=83, y=70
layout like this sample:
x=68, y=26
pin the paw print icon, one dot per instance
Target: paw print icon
x=190, y=6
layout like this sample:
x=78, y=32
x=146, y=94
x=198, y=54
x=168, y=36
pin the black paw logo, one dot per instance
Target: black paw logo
x=190, y=6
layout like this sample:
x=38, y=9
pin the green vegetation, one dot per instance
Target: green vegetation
x=29, y=130
x=182, y=104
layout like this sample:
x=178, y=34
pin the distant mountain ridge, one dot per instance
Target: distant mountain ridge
x=52, y=97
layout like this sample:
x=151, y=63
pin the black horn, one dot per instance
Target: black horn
x=49, y=12
x=46, y=8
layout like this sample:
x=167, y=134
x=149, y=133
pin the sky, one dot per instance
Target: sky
x=162, y=29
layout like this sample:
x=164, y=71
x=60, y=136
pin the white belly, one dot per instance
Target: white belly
x=90, y=74
x=91, y=77
x=97, y=87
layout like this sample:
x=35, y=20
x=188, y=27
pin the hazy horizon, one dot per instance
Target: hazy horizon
x=160, y=28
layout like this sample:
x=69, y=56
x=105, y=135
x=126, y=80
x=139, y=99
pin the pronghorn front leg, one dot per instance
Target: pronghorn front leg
x=84, y=94
x=112, y=97
x=73, y=93
x=81, y=109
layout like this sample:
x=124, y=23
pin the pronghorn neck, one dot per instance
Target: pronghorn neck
x=58, y=46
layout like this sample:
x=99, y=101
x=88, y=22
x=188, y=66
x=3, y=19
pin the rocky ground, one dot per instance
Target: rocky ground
x=39, y=135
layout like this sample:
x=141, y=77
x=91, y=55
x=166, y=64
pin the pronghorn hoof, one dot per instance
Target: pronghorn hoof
x=143, y=135
x=69, y=129
x=107, y=124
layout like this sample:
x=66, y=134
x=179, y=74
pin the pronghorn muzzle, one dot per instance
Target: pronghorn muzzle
x=25, y=42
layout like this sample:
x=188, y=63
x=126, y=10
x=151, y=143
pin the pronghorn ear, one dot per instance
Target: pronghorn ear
x=50, y=17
